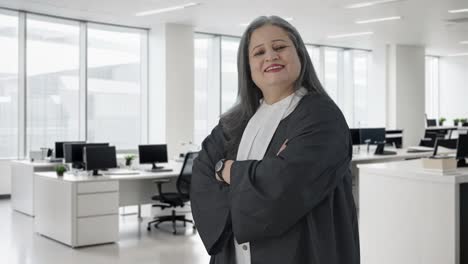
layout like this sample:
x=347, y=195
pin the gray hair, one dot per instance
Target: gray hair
x=235, y=119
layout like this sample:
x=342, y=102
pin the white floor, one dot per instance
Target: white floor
x=20, y=245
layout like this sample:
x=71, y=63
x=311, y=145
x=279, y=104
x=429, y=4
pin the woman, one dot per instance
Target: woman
x=272, y=183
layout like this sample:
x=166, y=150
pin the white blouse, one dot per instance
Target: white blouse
x=256, y=138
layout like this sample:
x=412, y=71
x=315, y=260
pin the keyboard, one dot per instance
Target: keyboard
x=159, y=170
x=120, y=172
x=417, y=149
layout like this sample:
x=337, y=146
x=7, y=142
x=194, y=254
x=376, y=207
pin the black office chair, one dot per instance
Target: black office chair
x=172, y=200
x=430, y=139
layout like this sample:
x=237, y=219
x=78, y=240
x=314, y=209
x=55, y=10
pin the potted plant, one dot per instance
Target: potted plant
x=463, y=121
x=128, y=159
x=60, y=169
x=455, y=121
x=441, y=121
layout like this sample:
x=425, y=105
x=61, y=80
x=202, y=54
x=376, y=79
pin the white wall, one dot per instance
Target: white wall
x=5, y=177
x=453, y=91
x=406, y=91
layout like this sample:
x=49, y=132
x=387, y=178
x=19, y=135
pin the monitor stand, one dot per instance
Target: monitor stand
x=155, y=167
x=461, y=163
x=96, y=173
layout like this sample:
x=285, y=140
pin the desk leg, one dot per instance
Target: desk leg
x=139, y=212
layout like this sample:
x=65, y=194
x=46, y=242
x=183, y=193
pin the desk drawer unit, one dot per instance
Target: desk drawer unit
x=97, y=207
x=97, y=230
x=97, y=204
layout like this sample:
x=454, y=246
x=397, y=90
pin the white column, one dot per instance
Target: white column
x=171, y=82
x=405, y=91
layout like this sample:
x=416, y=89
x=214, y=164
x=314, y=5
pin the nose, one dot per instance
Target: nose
x=271, y=55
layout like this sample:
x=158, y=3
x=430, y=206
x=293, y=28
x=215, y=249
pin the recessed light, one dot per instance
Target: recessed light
x=458, y=11
x=464, y=42
x=167, y=9
x=375, y=20
x=246, y=24
x=458, y=54
x=371, y=3
x=351, y=35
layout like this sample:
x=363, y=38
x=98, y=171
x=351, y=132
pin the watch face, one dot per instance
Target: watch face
x=219, y=165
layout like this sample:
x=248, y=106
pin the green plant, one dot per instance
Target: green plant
x=128, y=159
x=441, y=121
x=60, y=169
x=456, y=121
x=463, y=120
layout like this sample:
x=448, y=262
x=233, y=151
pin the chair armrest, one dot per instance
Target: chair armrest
x=160, y=182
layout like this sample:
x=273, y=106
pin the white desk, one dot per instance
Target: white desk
x=83, y=210
x=411, y=215
x=364, y=157
x=22, y=183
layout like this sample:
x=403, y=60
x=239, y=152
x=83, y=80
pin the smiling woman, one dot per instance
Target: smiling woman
x=272, y=182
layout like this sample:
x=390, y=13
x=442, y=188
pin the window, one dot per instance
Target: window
x=331, y=72
x=8, y=85
x=360, y=83
x=314, y=54
x=114, y=95
x=229, y=47
x=52, y=81
x=207, y=92
x=432, y=87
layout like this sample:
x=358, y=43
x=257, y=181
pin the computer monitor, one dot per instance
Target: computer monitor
x=431, y=122
x=73, y=152
x=152, y=154
x=59, y=153
x=372, y=135
x=355, y=136
x=446, y=143
x=462, y=150
x=99, y=158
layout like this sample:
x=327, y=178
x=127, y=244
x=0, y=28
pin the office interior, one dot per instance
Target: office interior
x=131, y=74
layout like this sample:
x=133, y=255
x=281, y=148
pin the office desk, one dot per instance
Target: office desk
x=364, y=157
x=83, y=210
x=22, y=183
x=412, y=215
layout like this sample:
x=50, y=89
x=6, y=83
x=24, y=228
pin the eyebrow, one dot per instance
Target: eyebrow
x=271, y=41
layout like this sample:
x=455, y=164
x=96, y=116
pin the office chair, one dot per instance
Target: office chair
x=430, y=139
x=172, y=200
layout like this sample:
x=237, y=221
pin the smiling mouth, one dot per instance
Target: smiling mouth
x=274, y=68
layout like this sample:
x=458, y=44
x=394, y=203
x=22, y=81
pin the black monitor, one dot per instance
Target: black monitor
x=73, y=152
x=372, y=135
x=431, y=122
x=446, y=143
x=355, y=136
x=99, y=158
x=59, y=153
x=462, y=150
x=152, y=154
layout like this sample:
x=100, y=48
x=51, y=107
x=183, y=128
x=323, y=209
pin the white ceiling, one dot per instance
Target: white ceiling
x=424, y=21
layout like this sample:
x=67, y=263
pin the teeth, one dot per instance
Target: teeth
x=274, y=68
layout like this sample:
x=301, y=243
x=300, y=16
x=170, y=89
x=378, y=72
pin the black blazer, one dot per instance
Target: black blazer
x=295, y=207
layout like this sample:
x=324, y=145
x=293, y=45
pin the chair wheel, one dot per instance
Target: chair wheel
x=148, y=228
x=174, y=232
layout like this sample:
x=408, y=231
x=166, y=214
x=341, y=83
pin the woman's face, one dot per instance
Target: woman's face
x=273, y=59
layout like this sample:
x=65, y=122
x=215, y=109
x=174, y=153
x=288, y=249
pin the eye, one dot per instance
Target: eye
x=259, y=52
x=279, y=47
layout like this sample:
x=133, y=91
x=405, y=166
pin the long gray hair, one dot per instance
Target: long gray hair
x=235, y=119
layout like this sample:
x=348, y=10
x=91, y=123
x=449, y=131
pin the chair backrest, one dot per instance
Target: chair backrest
x=185, y=176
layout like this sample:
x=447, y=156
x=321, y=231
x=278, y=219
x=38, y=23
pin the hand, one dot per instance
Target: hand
x=282, y=147
x=226, y=172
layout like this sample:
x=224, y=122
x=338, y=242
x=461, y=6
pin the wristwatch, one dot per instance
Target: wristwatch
x=219, y=168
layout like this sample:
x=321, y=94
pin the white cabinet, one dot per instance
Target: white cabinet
x=22, y=184
x=77, y=213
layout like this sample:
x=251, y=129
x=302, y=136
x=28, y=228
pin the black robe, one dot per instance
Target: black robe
x=295, y=207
